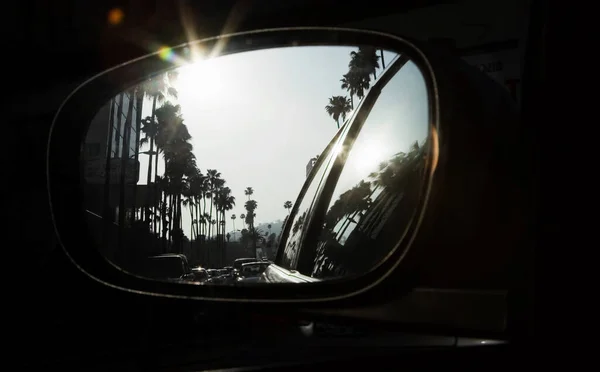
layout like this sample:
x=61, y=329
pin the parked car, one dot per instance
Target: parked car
x=200, y=274
x=171, y=267
x=251, y=272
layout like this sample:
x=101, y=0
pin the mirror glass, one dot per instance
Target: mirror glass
x=193, y=175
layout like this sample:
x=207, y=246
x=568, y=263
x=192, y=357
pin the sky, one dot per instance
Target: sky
x=398, y=119
x=258, y=118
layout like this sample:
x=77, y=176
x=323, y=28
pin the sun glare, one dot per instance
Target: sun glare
x=200, y=84
x=369, y=157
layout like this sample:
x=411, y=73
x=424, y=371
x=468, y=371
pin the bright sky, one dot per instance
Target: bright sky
x=398, y=119
x=258, y=118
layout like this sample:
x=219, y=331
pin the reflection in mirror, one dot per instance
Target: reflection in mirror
x=378, y=190
x=191, y=175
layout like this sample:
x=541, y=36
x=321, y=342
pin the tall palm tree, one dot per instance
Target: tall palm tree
x=288, y=205
x=214, y=182
x=355, y=83
x=157, y=88
x=195, y=191
x=248, y=192
x=139, y=102
x=225, y=202
x=338, y=107
x=124, y=165
x=243, y=218
x=189, y=202
x=173, y=140
x=233, y=217
x=365, y=61
x=250, y=207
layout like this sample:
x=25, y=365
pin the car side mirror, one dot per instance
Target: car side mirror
x=412, y=180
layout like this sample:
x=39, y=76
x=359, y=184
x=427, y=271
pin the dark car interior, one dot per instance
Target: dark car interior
x=71, y=321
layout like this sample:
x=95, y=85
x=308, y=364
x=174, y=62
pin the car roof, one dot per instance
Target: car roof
x=256, y=263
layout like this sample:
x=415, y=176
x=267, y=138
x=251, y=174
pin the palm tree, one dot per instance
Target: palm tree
x=288, y=205
x=139, y=102
x=173, y=140
x=356, y=83
x=365, y=61
x=124, y=165
x=225, y=202
x=156, y=88
x=233, y=217
x=248, y=192
x=338, y=107
x=189, y=202
x=195, y=188
x=214, y=182
x=251, y=206
x=243, y=218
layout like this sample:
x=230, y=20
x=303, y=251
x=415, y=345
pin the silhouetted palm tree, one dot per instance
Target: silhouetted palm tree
x=233, y=217
x=248, y=192
x=251, y=206
x=365, y=61
x=156, y=88
x=356, y=84
x=214, y=182
x=338, y=107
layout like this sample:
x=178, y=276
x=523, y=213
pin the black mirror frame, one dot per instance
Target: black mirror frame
x=65, y=173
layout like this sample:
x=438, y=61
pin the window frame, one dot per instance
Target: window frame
x=323, y=196
x=325, y=156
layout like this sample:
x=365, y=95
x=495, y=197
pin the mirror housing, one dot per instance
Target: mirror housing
x=457, y=245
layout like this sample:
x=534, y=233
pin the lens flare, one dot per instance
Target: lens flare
x=115, y=16
x=166, y=54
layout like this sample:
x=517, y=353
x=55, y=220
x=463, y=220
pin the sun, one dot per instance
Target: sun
x=368, y=157
x=200, y=85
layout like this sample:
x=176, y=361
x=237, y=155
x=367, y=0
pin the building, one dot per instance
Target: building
x=114, y=135
x=310, y=165
x=113, y=117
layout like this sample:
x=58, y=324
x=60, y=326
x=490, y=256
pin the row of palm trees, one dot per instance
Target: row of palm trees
x=363, y=63
x=182, y=184
x=367, y=206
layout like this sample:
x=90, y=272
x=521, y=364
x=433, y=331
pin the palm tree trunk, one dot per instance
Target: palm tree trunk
x=123, y=178
x=171, y=215
x=382, y=60
x=164, y=222
x=210, y=216
x=149, y=197
x=157, y=195
x=195, y=214
x=204, y=214
x=191, y=221
x=138, y=127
